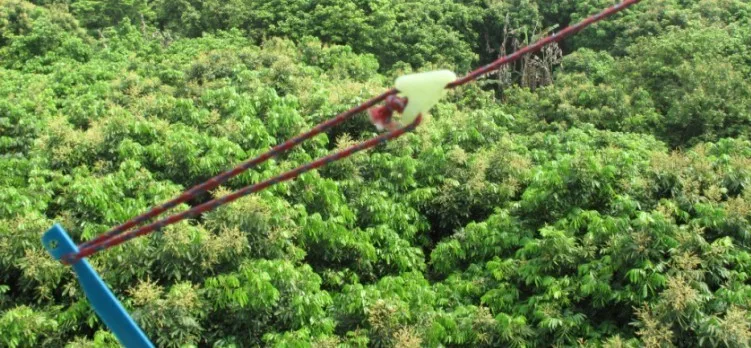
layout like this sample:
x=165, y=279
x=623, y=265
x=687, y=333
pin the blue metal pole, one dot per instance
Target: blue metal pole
x=105, y=304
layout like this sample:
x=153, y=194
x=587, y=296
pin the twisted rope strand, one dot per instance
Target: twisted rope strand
x=223, y=177
x=213, y=204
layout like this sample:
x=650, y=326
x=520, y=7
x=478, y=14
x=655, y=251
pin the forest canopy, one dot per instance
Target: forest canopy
x=593, y=194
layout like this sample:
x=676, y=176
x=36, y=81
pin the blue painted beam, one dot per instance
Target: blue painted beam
x=58, y=243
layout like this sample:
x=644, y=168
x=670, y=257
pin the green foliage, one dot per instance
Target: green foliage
x=104, y=13
x=395, y=31
x=22, y=327
x=35, y=37
x=172, y=319
x=268, y=297
x=595, y=194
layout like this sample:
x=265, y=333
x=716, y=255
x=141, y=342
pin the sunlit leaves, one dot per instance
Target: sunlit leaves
x=510, y=217
x=24, y=327
x=277, y=295
x=171, y=318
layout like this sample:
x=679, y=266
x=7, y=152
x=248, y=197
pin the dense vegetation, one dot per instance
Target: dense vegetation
x=595, y=194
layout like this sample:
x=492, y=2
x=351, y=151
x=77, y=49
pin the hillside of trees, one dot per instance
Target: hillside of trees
x=595, y=194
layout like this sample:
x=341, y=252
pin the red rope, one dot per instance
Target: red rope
x=381, y=117
x=223, y=177
x=555, y=37
x=213, y=204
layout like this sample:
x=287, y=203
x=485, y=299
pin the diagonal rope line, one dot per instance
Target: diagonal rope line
x=117, y=235
x=223, y=177
x=555, y=37
x=213, y=204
